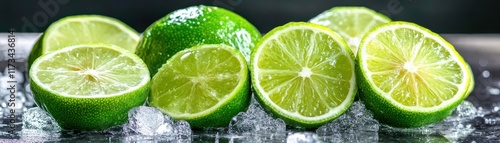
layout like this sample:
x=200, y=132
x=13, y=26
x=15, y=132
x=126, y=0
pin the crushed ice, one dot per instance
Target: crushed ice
x=355, y=125
x=145, y=123
x=256, y=121
x=302, y=137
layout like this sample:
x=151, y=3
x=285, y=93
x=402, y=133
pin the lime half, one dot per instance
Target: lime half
x=84, y=29
x=304, y=74
x=410, y=76
x=89, y=87
x=205, y=85
x=351, y=22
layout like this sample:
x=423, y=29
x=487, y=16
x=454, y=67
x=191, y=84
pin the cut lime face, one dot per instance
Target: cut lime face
x=414, y=71
x=89, y=87
x=83, y=29
x=352, y=23
x=206, y=85
x=304, y=73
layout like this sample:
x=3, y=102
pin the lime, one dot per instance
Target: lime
x=205, y=85
x=471, y=80
x=89, y=87
x=82, y=29
x=196, y=25
x=304, y=74
x=350, y=22
x=410, y=76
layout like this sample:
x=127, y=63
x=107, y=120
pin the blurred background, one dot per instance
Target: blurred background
x=444, y=16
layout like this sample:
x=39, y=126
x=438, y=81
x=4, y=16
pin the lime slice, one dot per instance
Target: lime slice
x=410, y=76
x=205, y=85
x=79, y=29
x=304, y=74
x=350, y=22
x=89, y=87
x=82, y=29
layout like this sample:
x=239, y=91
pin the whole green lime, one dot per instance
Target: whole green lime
x=192, y=26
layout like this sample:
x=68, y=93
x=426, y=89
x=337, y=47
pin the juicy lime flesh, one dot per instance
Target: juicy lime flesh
x=196, y=80
x=89, y=29
x=419, y=72
x=90, y=72
x=305, y=80
x=352, y=23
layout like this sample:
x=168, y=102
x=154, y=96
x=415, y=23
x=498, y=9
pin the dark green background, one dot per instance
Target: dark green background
x=444, y=16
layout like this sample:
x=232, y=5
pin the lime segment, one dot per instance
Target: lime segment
x=206, y=85
x=304, y=73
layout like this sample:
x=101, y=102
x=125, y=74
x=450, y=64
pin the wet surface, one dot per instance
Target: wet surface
x=474, y=121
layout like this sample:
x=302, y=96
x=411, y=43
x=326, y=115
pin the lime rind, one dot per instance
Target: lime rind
x=472, y=83
x=219, y=114
x=138, y=63
x=52, y=31
x=291, y=117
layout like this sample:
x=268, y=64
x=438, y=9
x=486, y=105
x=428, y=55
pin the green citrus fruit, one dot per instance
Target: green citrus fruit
x=188, y=27
x=205, y=85
x=350, y=22
x=410, y=76
x=82, y=29
x=304, y=74
x=89, y=87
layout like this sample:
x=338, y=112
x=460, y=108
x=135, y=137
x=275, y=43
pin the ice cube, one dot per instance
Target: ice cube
x=455, y=131
x=464, y=112
x=357, y=117
x=355, y=125
x=39, y=126
x=143, y=120
x=182, y=128
x=302, y=137
x=36, y=118
x=182, y=132
x=38, y=135
x=148, y=124
x=257, y=122
x=167, y=127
